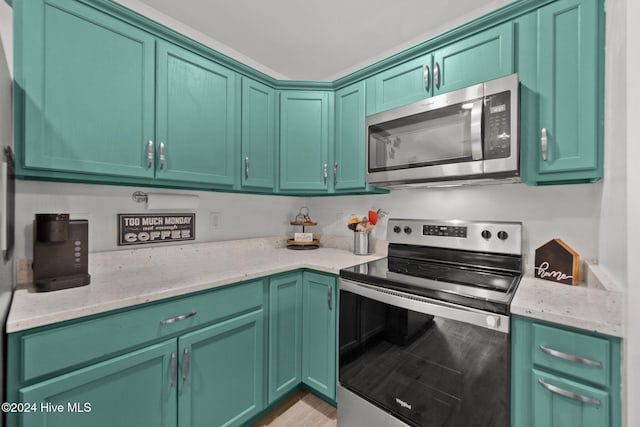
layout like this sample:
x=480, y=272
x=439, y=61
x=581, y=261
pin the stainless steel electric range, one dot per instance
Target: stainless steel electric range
x=424, y=333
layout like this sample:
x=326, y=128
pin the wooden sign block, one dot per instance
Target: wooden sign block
x=558, y=262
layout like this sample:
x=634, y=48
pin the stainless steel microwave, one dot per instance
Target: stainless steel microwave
x=466, y=136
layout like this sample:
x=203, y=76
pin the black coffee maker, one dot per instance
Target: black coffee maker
x=60, y=252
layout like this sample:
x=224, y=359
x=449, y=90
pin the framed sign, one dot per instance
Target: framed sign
x=558, y=262
x=139, y=229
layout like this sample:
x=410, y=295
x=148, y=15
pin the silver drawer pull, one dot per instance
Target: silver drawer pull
x=185, y=367
x=544, y=144
x=569, y=357
x=569, y=394
x=149, y=154
x=178, y=318
x=174, y=370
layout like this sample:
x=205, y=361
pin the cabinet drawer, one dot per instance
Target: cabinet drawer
x=66, y=346
x=572, y=353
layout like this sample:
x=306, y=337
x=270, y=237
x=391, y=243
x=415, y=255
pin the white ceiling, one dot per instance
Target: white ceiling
x=302, y=40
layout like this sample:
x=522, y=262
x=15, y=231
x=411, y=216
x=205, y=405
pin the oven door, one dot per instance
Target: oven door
x=427, y=363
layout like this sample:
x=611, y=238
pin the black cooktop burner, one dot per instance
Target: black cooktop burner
x=477, y=280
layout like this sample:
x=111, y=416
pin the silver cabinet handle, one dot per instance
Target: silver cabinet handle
x=149, y=154
x=163, y=157
x=544, y=144
x=4, y=208
x=185, y=369
x=569, y=357
x=436, y=75
x=569, y=394
x=329, y=299
x=325, y=172
x=246, y=167
x=174, y=370
x=178, y=318
x=335, y=173
x=425, y=76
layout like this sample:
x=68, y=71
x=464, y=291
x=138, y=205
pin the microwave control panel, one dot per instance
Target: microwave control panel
x=497, y=126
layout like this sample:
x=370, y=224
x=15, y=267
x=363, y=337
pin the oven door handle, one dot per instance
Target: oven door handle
x=493, y=321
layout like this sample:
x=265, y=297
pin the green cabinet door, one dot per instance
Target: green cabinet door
x=285, y=334
x=258, y=135
x=566, y=145
x=350, y=144
x=401, y=85
x=484, y=56
x=304, y=140
x=84, y=85
x=556, y=403
x=319, y=333
x=221, y=377
x=196, y=118
x=132, y=390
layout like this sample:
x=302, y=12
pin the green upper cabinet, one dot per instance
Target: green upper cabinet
x=319, y=355
x=196, y=113
x=484, y=56
x=475, y=59
x=401, y=85
x=131, y=390
x=258, y=135
x=84, y=91
x=563, y=126
x=285, y=334
x=221, y=381
x=349, y=150
x=304, y=140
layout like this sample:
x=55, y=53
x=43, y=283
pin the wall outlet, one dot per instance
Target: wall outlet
x=214, y=219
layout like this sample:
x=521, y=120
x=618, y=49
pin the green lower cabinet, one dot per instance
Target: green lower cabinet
x=319, y=318
x=563, y=377
x=562, y=92
x=131, y=390
x=221, y=379
x=285, y=334
x=552, y=409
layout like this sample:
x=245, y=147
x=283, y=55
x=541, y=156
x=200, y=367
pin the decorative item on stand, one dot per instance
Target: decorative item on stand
x=303, y=240
x=558, y=262
x=361, y=228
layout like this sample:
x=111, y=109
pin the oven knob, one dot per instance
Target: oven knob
x=397, y=229
x=493, y=322
x=486, y=234
x=502, y=235
x=407, y=230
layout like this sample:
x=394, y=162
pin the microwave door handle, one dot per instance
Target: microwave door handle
x=475, y=131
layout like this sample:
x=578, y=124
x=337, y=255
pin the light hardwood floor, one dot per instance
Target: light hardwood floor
x=302, y=409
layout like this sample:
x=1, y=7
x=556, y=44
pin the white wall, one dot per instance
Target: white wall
x=6, y=139
x=239, y=216
x=632, y=342
x=6, y=33
x=567, y=212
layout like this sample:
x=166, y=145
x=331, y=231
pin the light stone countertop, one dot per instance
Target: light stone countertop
x=595, y=305
x=129, y=277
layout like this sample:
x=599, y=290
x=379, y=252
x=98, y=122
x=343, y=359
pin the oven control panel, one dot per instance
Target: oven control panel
x=444, y=230
x=484, y=236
